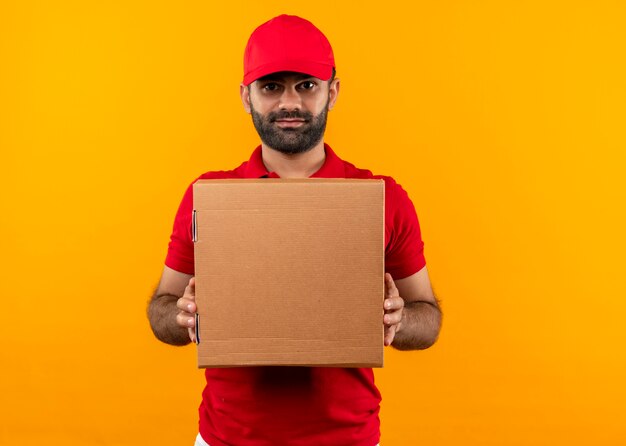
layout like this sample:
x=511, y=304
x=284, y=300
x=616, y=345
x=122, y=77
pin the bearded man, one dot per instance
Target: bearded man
x=289, y=86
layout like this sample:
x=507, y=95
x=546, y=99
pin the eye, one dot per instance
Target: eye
x=270, y=86
x=307, y=85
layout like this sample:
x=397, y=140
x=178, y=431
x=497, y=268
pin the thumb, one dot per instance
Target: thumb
x=190, y=291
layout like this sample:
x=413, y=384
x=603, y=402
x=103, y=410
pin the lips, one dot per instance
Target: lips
x=290, y=123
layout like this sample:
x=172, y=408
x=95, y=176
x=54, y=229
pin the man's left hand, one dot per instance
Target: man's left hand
x=394, y=310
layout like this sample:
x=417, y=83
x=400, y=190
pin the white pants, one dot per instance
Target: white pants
x=200, y=441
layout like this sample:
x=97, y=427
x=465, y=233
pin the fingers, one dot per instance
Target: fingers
x=393, y=310
x=186, y=304
x=393, y=303
x=187, y=320
x=390, y=286
x=190, y=290
x=392, y=318
x=390, y=334
x=187, y=308
x=394, y=306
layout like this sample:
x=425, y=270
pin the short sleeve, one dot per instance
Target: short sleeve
x=404, y=253
x=180, y=249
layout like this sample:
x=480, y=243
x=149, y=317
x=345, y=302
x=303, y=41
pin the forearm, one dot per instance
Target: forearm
x=162, y=315
x=420, y=326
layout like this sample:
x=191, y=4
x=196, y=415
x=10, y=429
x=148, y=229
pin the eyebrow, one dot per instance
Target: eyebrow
x=279, y=76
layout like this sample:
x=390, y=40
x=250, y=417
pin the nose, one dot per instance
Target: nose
x=290, y=100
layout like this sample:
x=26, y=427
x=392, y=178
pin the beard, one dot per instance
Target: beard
x=290, y=141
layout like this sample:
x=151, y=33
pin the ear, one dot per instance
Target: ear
x=244, y=92
x=333, y=93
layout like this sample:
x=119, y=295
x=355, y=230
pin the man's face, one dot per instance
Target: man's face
x=289, y=110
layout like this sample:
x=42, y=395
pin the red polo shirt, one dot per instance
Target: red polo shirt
x=263, y=406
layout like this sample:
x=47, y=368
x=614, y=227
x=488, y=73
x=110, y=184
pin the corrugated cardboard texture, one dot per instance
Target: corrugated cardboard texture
x=290, y=272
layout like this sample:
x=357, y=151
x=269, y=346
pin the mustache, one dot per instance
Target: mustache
x=296, y=114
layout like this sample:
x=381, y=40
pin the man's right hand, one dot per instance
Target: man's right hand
x=186, y=305
x=172, y=306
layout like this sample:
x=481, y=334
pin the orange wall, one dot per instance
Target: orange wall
x=503, y=120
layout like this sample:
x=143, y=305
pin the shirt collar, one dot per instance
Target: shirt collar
x=333, y=166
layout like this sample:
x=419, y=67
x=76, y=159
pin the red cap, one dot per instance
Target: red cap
x=287, y=43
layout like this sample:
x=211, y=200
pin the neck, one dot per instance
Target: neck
x=299, y=165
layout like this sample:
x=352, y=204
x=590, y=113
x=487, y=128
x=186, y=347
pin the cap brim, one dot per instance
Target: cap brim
x=319, y=70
